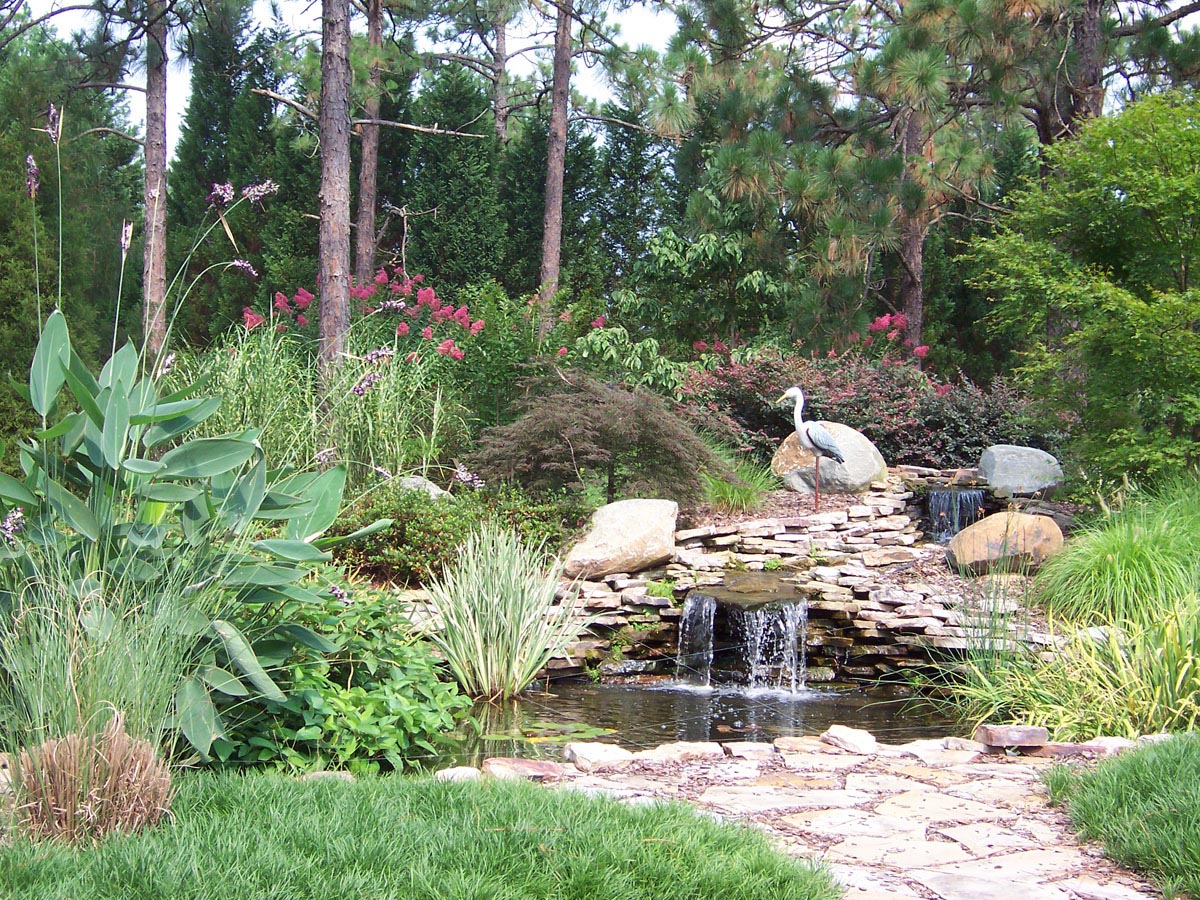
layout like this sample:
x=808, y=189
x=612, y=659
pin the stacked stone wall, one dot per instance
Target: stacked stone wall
x=880, y=598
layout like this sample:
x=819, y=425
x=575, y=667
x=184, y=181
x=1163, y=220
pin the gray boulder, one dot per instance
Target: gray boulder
x=626, y=536
x=1011, y=470
x=424, y=485
x=864, y=463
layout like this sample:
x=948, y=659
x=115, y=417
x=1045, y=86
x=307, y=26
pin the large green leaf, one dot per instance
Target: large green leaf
x=241, y=655
x=116, y=425
x=65, y=424
x=143, y=467
x=244, y=499
x=82, y=391
x=196, y=715
x=161, y=432
x=204, y=457
x=298, y=634
x=293, y=551
x=224, y=681
x=166, y=492
x=258, y=575
x=121, y=368
x=162, y=412
x=325, y=492
x=15, y=492
x=326, y=543
x=73, y=510
x=48, y=370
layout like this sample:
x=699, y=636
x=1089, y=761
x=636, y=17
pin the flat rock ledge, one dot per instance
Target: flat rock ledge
x=944, y=819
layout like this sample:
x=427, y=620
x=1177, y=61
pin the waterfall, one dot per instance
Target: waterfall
x=693, y=661
x=771, y=645
x=953, y=509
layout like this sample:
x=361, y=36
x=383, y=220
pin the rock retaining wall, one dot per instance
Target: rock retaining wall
x=880, y=598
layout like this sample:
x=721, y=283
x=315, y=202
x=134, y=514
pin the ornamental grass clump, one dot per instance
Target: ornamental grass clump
x=87, y=784
x=1132, y=566
x=500, y=623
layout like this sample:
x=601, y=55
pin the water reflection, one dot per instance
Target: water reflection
x=639, y=716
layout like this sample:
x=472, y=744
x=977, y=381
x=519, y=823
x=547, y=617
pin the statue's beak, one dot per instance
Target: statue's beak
x=782, y=397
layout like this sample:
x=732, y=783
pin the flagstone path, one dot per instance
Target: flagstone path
x=921, y=822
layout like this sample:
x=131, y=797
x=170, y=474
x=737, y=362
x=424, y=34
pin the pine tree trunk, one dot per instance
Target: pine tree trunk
x=500, y=102
x=556, y=156
x=913, y=229
x=154, y=264
x=366, y=237
x=333, y=242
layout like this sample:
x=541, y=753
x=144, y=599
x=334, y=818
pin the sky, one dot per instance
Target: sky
x=639, y=25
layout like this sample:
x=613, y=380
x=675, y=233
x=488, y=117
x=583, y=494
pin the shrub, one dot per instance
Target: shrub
x=741, y=492
x=910, y=417
x=425, y=533
x=575, y=431
x=499, y=623
x=377, y=700
x=85, y=785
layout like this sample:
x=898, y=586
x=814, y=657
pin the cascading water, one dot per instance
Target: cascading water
x=953, y=509
x=754, y=627
x=693, y=661
x=771, y=648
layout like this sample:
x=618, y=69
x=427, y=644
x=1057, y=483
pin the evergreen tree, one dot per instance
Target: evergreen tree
x=456, y=230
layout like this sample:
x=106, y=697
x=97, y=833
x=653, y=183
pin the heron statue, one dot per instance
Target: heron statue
x=815, y=438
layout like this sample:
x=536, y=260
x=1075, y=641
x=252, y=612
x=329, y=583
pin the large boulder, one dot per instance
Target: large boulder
x=1005, y=541
x=626, y=536
x=864, y=463
x=1011, y=470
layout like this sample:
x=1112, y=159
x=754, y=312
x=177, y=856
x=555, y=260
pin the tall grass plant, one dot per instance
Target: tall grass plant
x=1133, y=565
x=498, y=619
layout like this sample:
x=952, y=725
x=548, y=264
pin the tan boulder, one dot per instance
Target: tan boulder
x=1005, y=541
x=626, y=536
x=864, y=463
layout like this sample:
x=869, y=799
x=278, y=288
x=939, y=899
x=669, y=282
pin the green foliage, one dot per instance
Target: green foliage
x=426, y=533
x=1132, y=566
x=611, y=354
x=1142, y=805
x=909, y=416
x=1091, y=275
x=376, y=699
x=382, y=414
x=498, y=617
x=575, y=431
x=393, y=838
x=137, y=534
x=461, y=232
x=741, y=492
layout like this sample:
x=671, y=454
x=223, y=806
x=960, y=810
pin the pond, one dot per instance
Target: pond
x=640, y=716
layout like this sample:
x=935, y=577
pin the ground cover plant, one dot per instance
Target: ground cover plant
x=426, y=533
x=266, y=836
x=1143, y=807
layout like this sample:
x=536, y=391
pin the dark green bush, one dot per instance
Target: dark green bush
x=912, y=418
x=378, y=701
x=425, y=534
x=576, y=433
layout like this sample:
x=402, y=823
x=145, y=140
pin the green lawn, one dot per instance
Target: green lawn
x=1144, y=806
x=259, y=836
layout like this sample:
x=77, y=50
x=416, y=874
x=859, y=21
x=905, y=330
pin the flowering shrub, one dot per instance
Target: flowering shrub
x=911, y=417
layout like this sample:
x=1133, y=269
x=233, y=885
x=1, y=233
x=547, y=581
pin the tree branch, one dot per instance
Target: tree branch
x=388, y=123
x=113, y=85
x=120, y=134
x=1167, y=19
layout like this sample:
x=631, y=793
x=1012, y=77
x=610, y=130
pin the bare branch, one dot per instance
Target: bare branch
x=112, y=85
x=388, y=123
x=1159, y=21
x=101, y=130
x=286, y=101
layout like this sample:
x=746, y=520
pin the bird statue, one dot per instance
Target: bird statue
x=814, y=437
